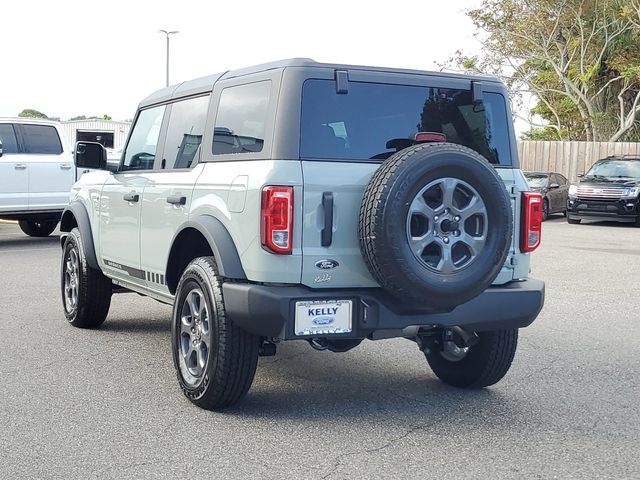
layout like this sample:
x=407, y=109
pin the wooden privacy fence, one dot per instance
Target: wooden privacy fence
x=569, y=158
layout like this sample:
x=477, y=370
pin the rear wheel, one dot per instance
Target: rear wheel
x=545, y=210
x=86, y=292
x=215, y=360
x=35, y=228
x=481, y=365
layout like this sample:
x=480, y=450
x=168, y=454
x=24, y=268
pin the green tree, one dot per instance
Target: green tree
x=93, y=117
x=31, y=113
x=579, y=58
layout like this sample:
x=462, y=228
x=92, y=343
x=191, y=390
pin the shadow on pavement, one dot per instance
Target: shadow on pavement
x=15, y=241
x=139, y=325
x=315, y=387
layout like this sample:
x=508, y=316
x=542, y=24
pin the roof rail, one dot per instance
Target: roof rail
x=624, y=155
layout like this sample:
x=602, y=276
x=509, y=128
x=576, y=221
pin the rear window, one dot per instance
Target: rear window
x=536, y=180
x=42, y=139
x=358, y=125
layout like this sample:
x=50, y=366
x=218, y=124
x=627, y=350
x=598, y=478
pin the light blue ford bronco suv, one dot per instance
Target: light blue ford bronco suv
x=306, y=201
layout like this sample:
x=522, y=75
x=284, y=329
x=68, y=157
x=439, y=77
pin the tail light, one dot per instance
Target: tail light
x=277, y=219
x=531, y=221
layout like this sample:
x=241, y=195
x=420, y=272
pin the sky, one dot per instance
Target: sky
x=67, y=58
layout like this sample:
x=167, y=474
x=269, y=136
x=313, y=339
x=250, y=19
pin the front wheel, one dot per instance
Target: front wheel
x=481, y=365
x=215, y=360
x=86, y=292
x=38, y=228
x=573, y=221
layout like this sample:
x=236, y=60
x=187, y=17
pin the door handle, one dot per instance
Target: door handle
x=20, y=166
x=177, y=200
x=326, y=235
x=65, y=166
x=131, y=197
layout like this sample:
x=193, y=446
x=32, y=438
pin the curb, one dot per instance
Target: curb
x=8, y=222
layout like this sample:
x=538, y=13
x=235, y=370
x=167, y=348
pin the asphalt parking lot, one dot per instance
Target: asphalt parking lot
x=106, y=404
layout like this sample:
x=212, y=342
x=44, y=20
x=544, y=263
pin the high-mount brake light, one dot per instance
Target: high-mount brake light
x=424, y=137
x=277, y=219
x=531, y=233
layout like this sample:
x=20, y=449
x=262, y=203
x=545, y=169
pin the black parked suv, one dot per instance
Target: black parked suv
x=608, y=191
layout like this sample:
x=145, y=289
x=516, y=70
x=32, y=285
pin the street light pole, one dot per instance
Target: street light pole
x=167, y=33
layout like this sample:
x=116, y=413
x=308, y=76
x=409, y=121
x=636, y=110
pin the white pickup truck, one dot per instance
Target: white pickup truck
x=36, y=174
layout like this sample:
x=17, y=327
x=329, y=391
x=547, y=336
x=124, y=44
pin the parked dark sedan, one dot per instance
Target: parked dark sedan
x=554, y=189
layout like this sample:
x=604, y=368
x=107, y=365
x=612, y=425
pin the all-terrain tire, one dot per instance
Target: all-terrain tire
x=92, y=288
x=38, y=228
x=545, y=210
x=383, y=223
x=232, y=354
x=484, y=364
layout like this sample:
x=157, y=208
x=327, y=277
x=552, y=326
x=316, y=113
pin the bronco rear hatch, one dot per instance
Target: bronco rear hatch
x=349, y=128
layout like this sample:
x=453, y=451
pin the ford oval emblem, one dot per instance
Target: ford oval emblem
x=323, y=320
x=327, y=264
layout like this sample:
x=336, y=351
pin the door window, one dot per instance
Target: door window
x=8, y=138
x=184, y=132
x=241, y=119
x=143, y=143
x=41, y=139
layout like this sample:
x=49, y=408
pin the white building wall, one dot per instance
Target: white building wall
x=120, y=130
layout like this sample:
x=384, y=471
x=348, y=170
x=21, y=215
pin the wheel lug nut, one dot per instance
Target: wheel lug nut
x=436, y=218
x=456, y=218
x=445, y=239
x=193, y=330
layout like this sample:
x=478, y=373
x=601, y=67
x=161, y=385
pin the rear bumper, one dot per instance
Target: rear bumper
x=269, y=310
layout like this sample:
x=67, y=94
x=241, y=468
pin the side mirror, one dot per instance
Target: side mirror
x=1, y=150
x=91, y=155
x=580, y=175
x=554, y=185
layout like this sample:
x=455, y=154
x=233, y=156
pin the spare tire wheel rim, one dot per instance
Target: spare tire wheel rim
x=447, y=225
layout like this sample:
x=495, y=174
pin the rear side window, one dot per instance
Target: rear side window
x=184, y=132
x=242, y=118
x=143, y=141
x=41, y=139
x=360, y=124
x=8, y=138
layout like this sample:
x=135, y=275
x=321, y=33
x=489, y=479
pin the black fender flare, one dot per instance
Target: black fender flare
x=77, y=210
x=222, y=245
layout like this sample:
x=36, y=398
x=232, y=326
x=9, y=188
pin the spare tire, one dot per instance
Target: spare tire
x=435, y=225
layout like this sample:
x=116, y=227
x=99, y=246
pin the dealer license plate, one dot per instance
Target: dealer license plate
x=323, y=317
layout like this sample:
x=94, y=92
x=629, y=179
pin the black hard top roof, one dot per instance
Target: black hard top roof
x=204, y=84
